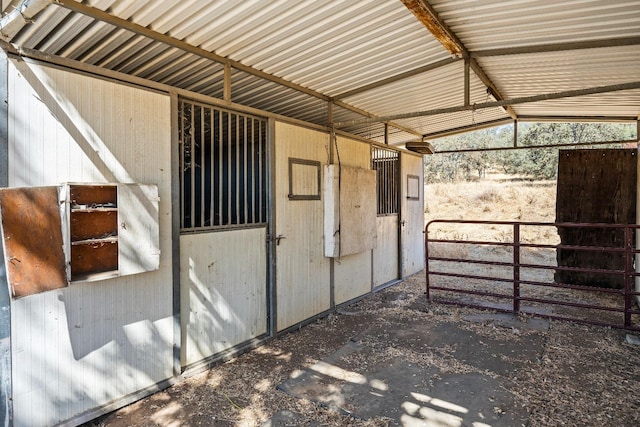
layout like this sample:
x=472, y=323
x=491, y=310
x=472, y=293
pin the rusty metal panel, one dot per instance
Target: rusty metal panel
x=92, y=195
x=92, y=257
x=32, y=239
x=91, y=225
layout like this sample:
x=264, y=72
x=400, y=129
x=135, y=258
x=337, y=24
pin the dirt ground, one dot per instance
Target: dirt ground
x=587, y=376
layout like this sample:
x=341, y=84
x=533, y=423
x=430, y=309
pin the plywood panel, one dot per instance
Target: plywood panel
x=303, y=288
x=89, y=344
x=357, y=210
x=385, y=255
x=412, y=214
x=223, y=275
x=595, y=186
x=32, y=240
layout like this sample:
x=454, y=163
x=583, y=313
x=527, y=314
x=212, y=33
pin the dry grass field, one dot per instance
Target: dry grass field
x=498, y=197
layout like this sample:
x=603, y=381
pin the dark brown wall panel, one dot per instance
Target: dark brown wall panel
x=595, y=186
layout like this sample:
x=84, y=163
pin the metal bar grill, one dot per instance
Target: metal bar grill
x=575, y=302
x=386, y=164
x=222, y=159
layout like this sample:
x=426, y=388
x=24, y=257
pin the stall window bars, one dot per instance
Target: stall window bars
x=223, y=168
x=386, y=163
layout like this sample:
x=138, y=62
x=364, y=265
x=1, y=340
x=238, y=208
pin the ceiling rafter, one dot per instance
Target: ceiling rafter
x=397, y=77
x=501, y=103
x=441, y=31
x=557, y=47
x=106, y=17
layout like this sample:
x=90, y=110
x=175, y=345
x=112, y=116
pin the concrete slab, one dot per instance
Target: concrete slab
x=412, y=392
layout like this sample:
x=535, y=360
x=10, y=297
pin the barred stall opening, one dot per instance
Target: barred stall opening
x=223, y=179
x=386, y=164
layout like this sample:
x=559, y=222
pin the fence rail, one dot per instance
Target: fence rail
x=530, y=296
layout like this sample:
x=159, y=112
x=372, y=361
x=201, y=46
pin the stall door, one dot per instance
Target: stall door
x=302, y=270
x=412, y=214
x=223, y=221
x=386, y=163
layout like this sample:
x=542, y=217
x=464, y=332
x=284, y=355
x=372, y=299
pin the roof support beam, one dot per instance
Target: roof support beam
x=396, y=78
x=502, y=103
x=525, y=147
x=577, y=119
x=374, y=118
x=467, y=83
x=13, y=21
x=441, y=31
x=228, y=63
x=100, y=15
x=557, y=47
x=463, y=129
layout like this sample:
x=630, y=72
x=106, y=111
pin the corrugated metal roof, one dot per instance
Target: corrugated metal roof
x=375, y=52
x=482, y=24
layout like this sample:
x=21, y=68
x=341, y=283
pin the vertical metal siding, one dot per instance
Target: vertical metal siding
x=352, y=275
x=385, y=255
x=223, y=280
x=302, y=271
x=413, y=214
x=89, y=344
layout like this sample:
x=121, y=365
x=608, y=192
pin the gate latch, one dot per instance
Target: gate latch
x=276, y=238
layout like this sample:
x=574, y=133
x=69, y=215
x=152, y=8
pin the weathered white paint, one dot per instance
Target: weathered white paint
x=413, y=215
x=138, y=230
x=223, y=290
x=385, y=255
x=302, y=270
x=80, y=347
x=331, y=197
x=352, y=274
x=357, y=210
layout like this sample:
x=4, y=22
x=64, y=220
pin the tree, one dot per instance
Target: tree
x=536, y=163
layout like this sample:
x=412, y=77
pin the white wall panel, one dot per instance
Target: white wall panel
x=352, y=274
x=92, y=343
x=412, y=214
x=302, y=271
x=385, y=255
x=223, y=279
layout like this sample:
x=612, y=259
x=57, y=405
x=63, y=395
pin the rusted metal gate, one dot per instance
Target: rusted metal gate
x=450, y=281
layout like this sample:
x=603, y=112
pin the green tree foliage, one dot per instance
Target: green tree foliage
x=536, y=163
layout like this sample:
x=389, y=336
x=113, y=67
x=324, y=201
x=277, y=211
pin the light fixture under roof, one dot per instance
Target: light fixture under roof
x=421, y=147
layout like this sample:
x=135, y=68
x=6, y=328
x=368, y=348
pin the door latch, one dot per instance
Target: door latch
x=276, y=239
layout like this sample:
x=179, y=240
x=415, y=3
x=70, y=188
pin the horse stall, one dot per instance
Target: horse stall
x=184, y=231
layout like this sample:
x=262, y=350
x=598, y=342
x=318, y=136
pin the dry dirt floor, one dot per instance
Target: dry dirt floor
x=585, y=375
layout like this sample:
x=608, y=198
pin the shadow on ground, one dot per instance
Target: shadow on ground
x=394, y=378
